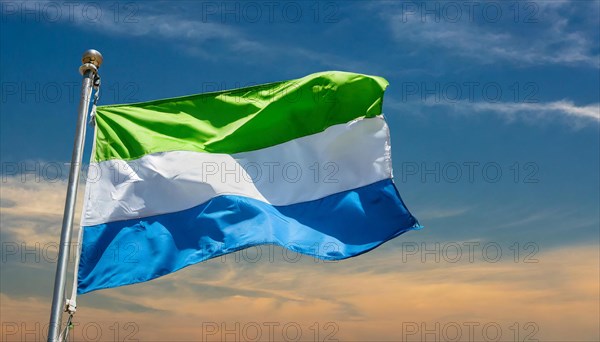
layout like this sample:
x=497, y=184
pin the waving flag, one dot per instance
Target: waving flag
x=304, y=164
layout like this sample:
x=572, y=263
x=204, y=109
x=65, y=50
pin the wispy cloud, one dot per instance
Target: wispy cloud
x=32, y=207
x=578, y=116
x=176, y=29
x=549, y=39
x=563, y=107
x=442, y=213
x=195, y=33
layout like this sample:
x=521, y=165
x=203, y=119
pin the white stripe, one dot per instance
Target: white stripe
x=341, y=158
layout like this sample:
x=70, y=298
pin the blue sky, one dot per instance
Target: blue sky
x=509, y=87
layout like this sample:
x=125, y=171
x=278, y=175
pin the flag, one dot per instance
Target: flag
x=304, y=164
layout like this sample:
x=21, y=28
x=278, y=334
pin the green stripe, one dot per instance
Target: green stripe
x=237, y=120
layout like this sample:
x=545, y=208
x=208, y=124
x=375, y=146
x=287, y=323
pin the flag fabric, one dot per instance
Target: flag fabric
x=304, y=164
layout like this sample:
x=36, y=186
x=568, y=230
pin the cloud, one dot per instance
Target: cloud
x=442, y=213
x=357, y=306
x=549, y=38
x=36, y=207
x=176, y=28
x=199, y=31
x=565, y=110
x=158, y=21
x=188, y=33
x=563, y=107
x=577, y=116
x=6, y=203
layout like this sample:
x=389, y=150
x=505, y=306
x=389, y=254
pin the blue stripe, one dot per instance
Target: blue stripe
x=336, y=227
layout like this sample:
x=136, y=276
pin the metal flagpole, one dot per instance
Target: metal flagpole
x=91, y=60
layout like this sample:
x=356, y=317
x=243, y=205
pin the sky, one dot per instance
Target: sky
x=494, y=112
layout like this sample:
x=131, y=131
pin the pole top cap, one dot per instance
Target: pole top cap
x=92, y=56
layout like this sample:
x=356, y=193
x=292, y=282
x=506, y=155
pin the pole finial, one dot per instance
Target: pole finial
x=92, y=59
x=92, y=56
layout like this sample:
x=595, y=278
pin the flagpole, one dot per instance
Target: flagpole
x=91, y=60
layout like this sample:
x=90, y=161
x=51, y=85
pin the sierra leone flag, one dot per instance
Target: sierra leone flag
x=304, y=164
